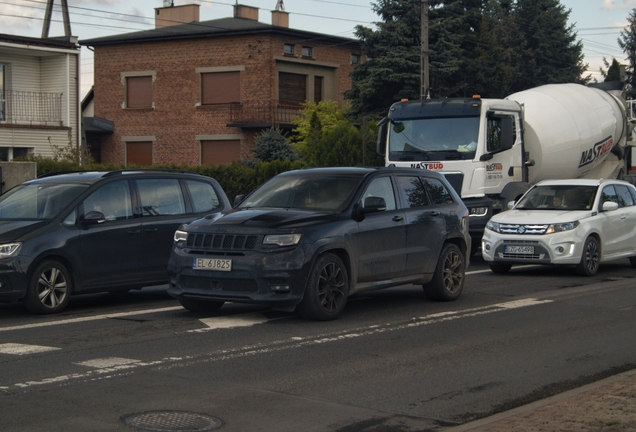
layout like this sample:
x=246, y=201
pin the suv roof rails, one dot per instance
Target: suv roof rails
x=121, y=171
x=55, y=173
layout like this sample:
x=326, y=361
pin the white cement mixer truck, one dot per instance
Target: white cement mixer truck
x=492, y=150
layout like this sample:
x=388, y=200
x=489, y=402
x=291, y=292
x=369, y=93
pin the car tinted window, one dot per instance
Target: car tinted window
x=609, y=194
x=437, y=192
x=112, y=199
x=624, y=197
x=38, y=201
x=381, y=187
x=160, y=197
x=412, y=191
x=203, y=195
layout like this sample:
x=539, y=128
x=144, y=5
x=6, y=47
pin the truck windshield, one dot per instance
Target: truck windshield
x=433, y=139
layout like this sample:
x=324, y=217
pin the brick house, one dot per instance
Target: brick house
x=199, y=92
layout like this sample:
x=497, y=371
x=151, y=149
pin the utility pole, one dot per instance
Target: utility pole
x=47, y=19
x=424, y=80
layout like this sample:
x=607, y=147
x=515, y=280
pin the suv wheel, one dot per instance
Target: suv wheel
x=590, y=258
x=448, y=280
x=327, y=289
x=49, y=288
x=200, y=305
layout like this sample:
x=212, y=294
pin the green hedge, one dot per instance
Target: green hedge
x=235, y=178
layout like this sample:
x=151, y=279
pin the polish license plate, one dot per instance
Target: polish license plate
x=519, y=249
x=212, y=264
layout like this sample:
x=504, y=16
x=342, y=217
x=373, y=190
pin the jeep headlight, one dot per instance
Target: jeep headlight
x=282, y=239
x=554, y=228
x=180, y=238
x=9, y=249
x=493, y=226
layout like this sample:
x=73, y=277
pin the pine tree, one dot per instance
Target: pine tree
x=627, y=42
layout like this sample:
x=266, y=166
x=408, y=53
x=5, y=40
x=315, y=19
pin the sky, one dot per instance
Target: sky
x=597, y=23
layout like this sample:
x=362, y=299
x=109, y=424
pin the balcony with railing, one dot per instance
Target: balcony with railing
x=30, y=108
x=263, y=114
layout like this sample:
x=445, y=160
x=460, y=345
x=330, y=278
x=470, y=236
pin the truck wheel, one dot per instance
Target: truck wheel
x=200, y=305
x=590, y=258
x=327, y=290
x=49, y=288
x=448, y=279
x=500, y=268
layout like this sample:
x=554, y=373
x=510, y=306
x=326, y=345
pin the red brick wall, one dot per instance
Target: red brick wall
x=176, y=121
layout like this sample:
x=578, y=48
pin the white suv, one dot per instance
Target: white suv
x=574, y=222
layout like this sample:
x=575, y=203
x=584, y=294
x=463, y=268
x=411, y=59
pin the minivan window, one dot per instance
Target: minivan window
x=160, y=197
x=112, y=199
x=38, y=200
x=204, y=197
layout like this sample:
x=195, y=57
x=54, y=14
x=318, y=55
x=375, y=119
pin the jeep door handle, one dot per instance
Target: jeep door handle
x=150, y=230
x=397, y=218
x=133, y=232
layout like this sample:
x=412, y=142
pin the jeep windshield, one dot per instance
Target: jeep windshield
x=304, y=191
x=38, y=201
x=452, y=138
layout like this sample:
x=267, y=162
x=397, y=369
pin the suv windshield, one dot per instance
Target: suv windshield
x=434, y=139
x=38, y=201
x=558, y=197
x=305, y=192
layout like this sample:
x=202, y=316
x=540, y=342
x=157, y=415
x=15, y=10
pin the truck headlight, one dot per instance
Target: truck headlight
x=478, y=211
x=282, y=239
x=493, y=226
x=9, y=249
x=554, y=228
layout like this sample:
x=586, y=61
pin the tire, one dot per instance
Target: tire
x=200, y=305
x=49, y=288
x=590, y=258
x=327, y=290
x=500, y=268
x=448, y=279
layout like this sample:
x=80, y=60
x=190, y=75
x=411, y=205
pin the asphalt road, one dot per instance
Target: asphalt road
x=393, y=362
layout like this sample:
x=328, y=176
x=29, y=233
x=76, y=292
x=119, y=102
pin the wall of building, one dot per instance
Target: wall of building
x=178, y=118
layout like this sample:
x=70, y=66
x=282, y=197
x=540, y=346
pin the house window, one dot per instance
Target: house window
x=317, y=89
x=355, y=58
x=307, y=51
x=139, y=153
x=11, y=153
x=292, y=88
x=139, y=92
x=216, y=152
x=288, y=49
x=220, y=88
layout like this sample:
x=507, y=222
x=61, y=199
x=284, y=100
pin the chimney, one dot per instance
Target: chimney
x=247, y=12
x=280, y=18
x=175, y=15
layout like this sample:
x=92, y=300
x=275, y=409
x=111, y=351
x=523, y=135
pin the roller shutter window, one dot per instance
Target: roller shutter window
x=139, y=92
x=220, y=88
x=220, y=152
x=139, y=153
x=317, y=89
x=292, y=88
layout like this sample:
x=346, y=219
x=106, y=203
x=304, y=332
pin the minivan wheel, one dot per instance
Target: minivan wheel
x=49, y=288
x=200, y=305
x=327, y=290
x=590, y=258
x=448, y=279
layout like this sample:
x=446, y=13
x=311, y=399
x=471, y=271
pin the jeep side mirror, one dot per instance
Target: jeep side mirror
x=374, y=204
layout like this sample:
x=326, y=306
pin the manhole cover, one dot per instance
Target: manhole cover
x=172, y=421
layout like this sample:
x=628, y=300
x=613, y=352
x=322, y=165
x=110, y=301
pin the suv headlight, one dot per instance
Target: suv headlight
x=282, y=239
x=554, y=228
x=9, y=249
x=493, y=226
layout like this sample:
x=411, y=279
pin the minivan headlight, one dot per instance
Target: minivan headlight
x=493, y=226
x=554, y=228
x=9, y=249
x=282, y=239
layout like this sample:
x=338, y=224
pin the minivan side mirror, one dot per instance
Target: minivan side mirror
x=93, y=218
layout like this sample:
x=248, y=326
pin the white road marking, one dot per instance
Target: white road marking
x=231, y=321
x=91, y=318
x=21, y=349
x=294, y=342
x=107, y=362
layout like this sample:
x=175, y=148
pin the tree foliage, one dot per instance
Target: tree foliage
x=627, y=42
x=272, y=145
x=490, y=47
